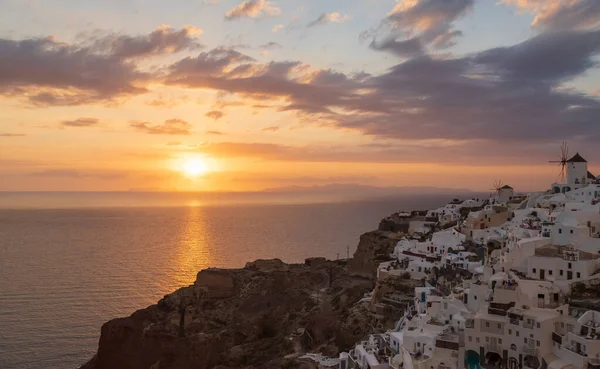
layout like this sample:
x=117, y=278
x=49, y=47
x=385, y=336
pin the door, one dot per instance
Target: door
x=569, y=274
x=542, y=274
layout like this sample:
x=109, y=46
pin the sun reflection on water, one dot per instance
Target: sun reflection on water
x=194, y=253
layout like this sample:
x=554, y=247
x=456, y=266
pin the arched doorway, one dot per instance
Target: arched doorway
x=513, y=363
x=493, y=358
x=472, y=360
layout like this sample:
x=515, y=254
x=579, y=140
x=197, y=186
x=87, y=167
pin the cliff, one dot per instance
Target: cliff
x=374, y=248
x=260, y=316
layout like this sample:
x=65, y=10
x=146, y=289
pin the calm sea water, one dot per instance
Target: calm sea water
x=64, y=272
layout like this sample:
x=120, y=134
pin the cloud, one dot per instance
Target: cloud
x=216, y=133
x=174, y=143
x=12, y=134
x=77, y=174
x=561, y=15
x=216, y=115
x=325, y=18
x=277, y=28
x=270, y=46
x=163, y=41
x=508, y=94
x=80, y=122
x=407, y=48
x=414, y=25
x=489, y=153
x=102, y=69
x=253, y=9
x=270, y=129
x=169, y=127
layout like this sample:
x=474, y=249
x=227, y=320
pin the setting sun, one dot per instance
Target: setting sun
x=194, y=167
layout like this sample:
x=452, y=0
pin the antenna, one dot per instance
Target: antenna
x=562, y=162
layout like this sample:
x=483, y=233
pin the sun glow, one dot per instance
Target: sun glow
x=194, y=167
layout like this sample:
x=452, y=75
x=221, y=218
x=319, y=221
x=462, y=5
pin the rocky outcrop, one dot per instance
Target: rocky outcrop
x=261, y=316
x=215, y=283
x=374, y=247
x=241, y=318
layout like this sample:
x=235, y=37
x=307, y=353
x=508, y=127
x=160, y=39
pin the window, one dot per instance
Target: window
x=525, y=339
x=500, y=340
x=562, y=272
x=510, y=331
x=562, y=325
x=418, y=344
x=538, y=324
x=550, y=272
x=477, y=339
x=571, y=231
x=537, y=343
x=517, y=332
x=534, y=270
x=570, y=265
x=499, y=326
x=487, y=324
x=475, y=297
x=578, y=275
x=559, y=230
x=470, y=339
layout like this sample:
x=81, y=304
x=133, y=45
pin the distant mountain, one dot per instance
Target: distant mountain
x=364, y=190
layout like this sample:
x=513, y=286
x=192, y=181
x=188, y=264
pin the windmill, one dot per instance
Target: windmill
x=496, y=189
x=497, y=186
x=564, y=155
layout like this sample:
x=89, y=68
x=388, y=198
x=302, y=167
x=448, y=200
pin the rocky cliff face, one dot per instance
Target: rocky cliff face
x=374, y=247
x=260, y=316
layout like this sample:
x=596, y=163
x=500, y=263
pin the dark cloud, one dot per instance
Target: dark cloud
x=215, y=114
x=165, y=40
x=549, y=57
x=405, y=48
x=49, y=72
x=12, y=134
x=505, y=94
x=216, y=133
x=81, y=122
x=270, y=46
x=413, y=27
x=169, y=127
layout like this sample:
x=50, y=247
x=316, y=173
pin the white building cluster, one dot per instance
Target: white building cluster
x=527, y=257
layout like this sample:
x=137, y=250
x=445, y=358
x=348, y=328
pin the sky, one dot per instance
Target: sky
x=230, y=95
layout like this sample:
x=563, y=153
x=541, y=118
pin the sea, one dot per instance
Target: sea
x=71, y=261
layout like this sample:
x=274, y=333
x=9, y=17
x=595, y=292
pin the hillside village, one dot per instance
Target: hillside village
x=510, y=282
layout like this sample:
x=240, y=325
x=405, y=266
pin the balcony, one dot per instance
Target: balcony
x=493, y=347
x=530, y=350
x=594, y=364
x=528, y=325
x=558, y=338
x=514, y=321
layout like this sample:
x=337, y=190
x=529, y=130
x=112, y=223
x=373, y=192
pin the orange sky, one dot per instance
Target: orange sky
x=273, y=95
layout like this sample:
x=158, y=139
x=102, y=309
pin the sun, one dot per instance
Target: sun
x=194, y=167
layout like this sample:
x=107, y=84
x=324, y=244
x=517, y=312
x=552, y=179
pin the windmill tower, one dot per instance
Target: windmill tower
x=577, y=172
x=496, y=188
x=562, y=162
x=503, y=192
